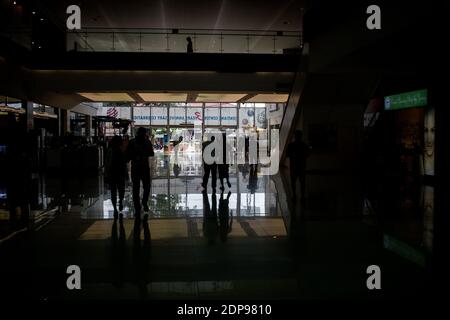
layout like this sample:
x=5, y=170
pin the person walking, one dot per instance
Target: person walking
x=138, y=151
x=209, y=168
x=224, y=166
x=117, y=167
x=190, y=48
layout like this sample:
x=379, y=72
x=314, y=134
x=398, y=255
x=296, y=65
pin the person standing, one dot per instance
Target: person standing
x=297, y=152
x=117, y=172
x=190, y=48
x=224, y=166
x=138, y=151
x=209, y=168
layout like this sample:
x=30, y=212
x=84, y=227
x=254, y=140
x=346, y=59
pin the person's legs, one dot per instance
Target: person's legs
x=214, y=175
x=293, y=183
x=113, y=186
x=302, y=178
x=146, y=185
x=227, y=175
x=221, y=175
x=121, y=188
x=207, y=169
x=136, y=180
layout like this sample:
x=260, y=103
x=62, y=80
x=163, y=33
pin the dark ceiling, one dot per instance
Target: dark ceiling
x=192, y=14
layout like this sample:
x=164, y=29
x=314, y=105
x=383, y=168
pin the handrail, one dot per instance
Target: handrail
x=149, y=40
x=218, y=31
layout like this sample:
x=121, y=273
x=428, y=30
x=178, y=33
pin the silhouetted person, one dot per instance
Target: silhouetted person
x=176, y=170
x=190, y=48
x=209, y=168
x=253, y=178
x=225, y=219
x=18, y=172
x=176, y=147
x=138, y=151
x=117, y=172
x=297, y=152
x=224, y=166
x=210, y=225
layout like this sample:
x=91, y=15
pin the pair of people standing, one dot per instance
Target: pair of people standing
x=211, y=169
x=137, y=151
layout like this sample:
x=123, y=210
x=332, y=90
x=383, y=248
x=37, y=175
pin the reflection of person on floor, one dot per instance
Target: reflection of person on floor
x=224, y=166
x=141, y=254
x=117, y=172
x=139, y=150
x=225, y=219
x=209, y=168
x=210, y=226
x=118, y=253
x=297, y=152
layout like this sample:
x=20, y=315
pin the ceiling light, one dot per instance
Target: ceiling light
x=163, y=97
x=106, y=96
x=269, y=97
x=219, y=97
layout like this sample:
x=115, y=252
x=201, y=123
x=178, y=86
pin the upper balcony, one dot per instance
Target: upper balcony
x=174, y=40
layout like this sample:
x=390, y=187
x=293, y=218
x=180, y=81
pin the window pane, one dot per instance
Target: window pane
x=229, y=116
x=159, y=116
x=260, y=117
x=177, y=115
x=212, y=116
x=246, y=117
x=194, y=116
x=141, y=116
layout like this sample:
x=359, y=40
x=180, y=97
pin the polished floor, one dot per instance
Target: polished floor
x=250, y=241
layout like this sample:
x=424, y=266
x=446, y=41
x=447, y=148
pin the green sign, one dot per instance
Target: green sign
x=411, y=99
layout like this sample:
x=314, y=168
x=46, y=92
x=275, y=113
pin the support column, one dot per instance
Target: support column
x=88, y=126
x=28, y=107
x=65, y=122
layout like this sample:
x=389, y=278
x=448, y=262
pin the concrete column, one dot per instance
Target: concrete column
x=28, y=107
x=65, y=122
x=88, y=126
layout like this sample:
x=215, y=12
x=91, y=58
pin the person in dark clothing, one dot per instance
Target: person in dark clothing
x=253, y=178
x=225, y=219
x=297, y=152
x=138, y=151
x=190, y=48
x=117, y=172
x=224, y=166
x=209, y=168
x=18, y=174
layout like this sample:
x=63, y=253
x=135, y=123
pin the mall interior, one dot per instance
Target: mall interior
x=366, y=103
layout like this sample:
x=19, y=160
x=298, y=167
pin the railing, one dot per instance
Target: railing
x=174, y=40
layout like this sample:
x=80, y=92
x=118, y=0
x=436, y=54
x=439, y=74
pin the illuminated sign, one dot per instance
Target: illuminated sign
x=411, y=99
